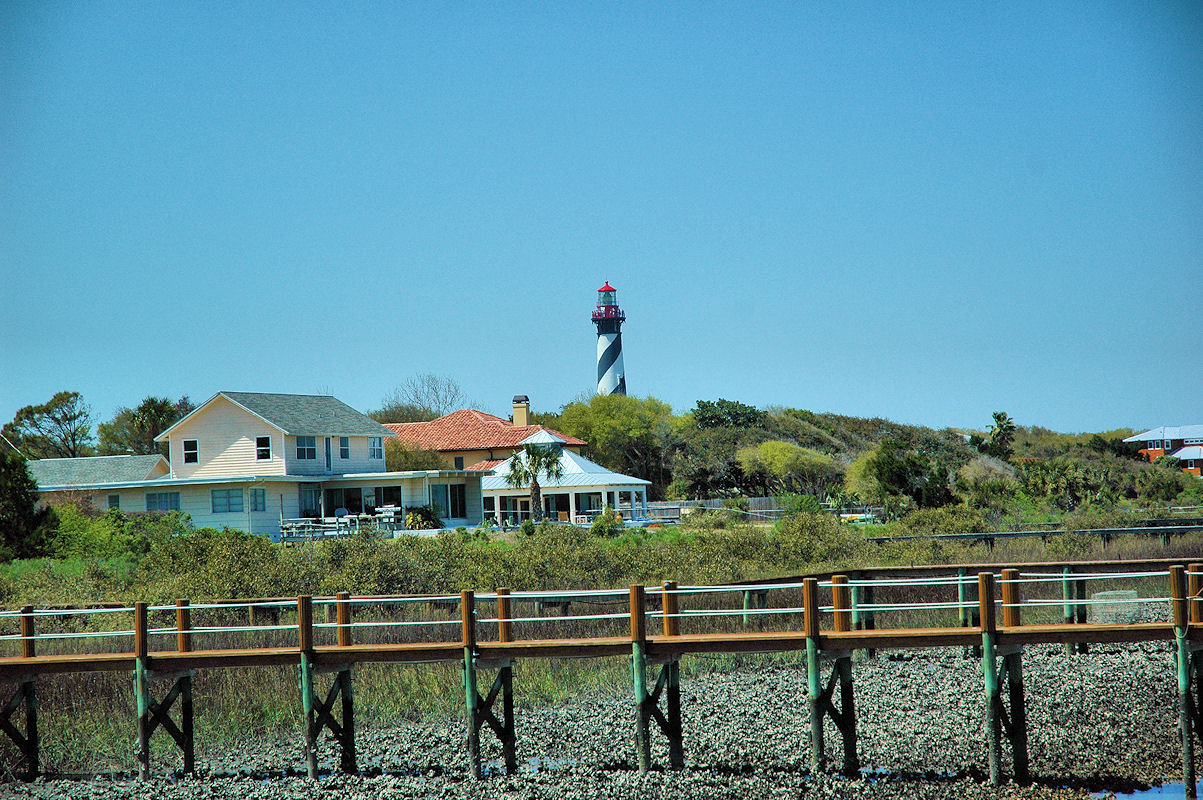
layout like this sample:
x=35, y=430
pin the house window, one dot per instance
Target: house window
x=1168, y=445
x=438, y=498
x=306, y=448
x=162, y=501
x=114, y=501
x=344, y=447
x=226, y=501
x=1193, y=441
x=376, y=447
x=191, y=451
x=459, y=462
x=311, y=501
x=258, y=499
x=1190, y=464
x=263, y=448
x=449, y=501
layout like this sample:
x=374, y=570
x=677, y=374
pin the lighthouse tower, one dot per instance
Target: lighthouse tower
x=608, y=317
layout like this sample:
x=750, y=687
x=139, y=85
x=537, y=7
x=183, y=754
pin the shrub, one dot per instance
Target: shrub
x=606, y=524
x=797, y=503
x=817, y=538
x=422, y=518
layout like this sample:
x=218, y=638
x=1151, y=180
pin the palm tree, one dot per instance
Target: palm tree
x=525, y=467
x=1002, y=433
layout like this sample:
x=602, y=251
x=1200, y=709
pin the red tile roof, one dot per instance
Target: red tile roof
x=487, y=464
x=469, y=429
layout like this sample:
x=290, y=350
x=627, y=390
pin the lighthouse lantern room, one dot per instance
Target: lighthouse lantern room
x=608, y=317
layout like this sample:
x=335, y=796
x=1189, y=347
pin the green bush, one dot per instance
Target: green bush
x=422, y=518
x=806, y=539
x=606, y=523
x=797, y=503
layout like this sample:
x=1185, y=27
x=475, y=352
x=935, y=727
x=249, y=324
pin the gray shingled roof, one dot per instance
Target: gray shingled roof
x=96, y=469
x=309, y=414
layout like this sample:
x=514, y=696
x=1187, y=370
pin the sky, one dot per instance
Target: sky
x=920, y=211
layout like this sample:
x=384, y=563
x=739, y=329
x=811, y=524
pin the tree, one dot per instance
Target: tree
x=704, y=462
x=22, y=523
x=400, y=457
x=779, y=466
x=134, y=430
x=59, y=428
x=426, y=395
x=626, y=434
x=394, y=411
x=525, y=467
x=728, y=414
x=902, y=471
x=1002, y=436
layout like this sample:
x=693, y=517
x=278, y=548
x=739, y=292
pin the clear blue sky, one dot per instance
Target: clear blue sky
x=923, y=211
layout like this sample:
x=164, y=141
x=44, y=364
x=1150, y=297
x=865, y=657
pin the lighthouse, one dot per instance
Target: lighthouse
x=608, y=317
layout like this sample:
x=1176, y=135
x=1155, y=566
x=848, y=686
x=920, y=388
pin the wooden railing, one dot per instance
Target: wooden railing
x=996, y=613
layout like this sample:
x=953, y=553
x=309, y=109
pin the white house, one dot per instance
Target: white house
x=251, y=460
x=584, y=486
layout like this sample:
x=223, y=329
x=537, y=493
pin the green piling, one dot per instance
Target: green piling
x=1185, y=702
x=643, y=752
x=471, y=695
x=985, y=586
x=814, y=682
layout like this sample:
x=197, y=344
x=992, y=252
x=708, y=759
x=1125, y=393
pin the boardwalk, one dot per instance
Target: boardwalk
x=487, y=632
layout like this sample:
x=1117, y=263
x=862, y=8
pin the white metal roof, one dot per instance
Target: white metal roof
x=579, y=472
x=1194, y=451
x=542, y=437
x=1168, y=432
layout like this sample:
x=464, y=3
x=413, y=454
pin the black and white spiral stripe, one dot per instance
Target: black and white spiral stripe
x=611, y=378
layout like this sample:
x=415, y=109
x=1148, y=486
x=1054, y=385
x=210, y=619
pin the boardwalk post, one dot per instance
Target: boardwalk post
x=643, y=751
x=989, y=626
x=846, y=718
x=471, y=696
x=1080, y=610
x=505, y=633
x=305, y=645
x=142, y=689
x=814, y=681
x=672, y=668
x=26, y=695
x=183, y=626
x=1068, y=610
x=1186, y=711
x=480, y=710
x=347, y=761
x=1194, y=614
x=1017, y=722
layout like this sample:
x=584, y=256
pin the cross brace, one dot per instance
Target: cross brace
x=154, y=714
x=668, y=686
x=503, y=687
x=319, y=717
x=822, y=705
x=27, y=743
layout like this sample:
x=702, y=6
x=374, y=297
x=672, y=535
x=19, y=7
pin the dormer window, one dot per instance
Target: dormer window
x=263, y=448
x=344, y=447
x=191, y=451
x=376, y=447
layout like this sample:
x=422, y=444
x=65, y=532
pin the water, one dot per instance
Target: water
x=1164, y=790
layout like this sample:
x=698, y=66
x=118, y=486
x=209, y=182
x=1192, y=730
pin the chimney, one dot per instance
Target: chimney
x=521, y=410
